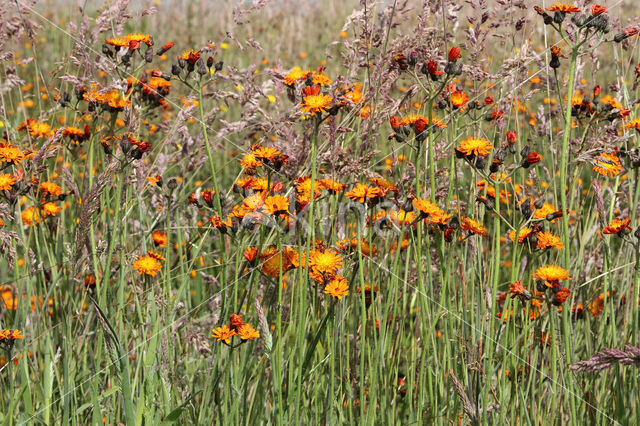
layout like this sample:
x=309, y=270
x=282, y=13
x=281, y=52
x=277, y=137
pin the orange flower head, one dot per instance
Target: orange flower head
x=159, y=238
x=191, y=56
x=618, y=226
x=563, y=7
x=148, y=265
x=459, y=99
x=471, y=146
x=607, y=164
x=454, y=54
x=276, y=204
x=50, y=188
x=337, y=287
x=223, y=334
x=325, y=261
x=551, y=275
x=597, y=9
x=314, y=101
x=523, y=234
x=6, y=181
x=235, y=321
x=562, y=295
x=557, y=51
x=547, y=240
x=295, y=75
x=473, y=226
x=246, y=332
x=364, y=193
x=11, y=154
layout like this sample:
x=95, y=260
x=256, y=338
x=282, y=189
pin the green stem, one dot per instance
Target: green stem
x=564, y=159
x=209, y=153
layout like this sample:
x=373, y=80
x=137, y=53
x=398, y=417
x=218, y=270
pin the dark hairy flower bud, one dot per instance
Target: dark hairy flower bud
x=525, y=151
x=219, y=65
x=148, y=54
x=181, y=62
x=172, y=183
x=525, y=209
x=558, y=17
x=539, y=203
x=209, y=61
x=125, y=144
x=202, y=70
x=175, y=69
x=106, y=50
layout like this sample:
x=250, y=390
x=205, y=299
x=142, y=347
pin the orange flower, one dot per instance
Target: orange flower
x=7, y=297
x=251, y=254
x=474, y=227
x=148, y=265
x=523, y=234
x=363, y=193
x=320, y=79
x=50, y=209
x=475, y=146
x=562, y=295
x=235, y=321
x=30, y=216
x=246, y=332
x=459, y=99
x=10, y=154
x=547, y=240
x=191, y=56
x=517, y=290
x=295, y=75
x=276, y=204
x=50, y=188
x=557, y=51
x=551, y=275
x=325, y=261
x=597, y=9
x=223, y=334
x=563, y=7
x=633, y=124
x=6, y=181
x=314, y=101
x=337, y=287
x=618, y=226
x=607, y=164
x=159, y=238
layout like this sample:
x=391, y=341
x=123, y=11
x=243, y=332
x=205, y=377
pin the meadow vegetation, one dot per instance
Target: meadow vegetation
x=319, y=212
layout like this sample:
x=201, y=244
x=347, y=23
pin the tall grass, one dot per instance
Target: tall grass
x=434, y=328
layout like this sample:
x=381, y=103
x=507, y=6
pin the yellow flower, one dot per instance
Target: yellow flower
x=551, y=274
x=10, y=154
x=607, y=164
x=475, y=146
x=294, y=76
x=548, y=240
x=147, y=265
x=50, y=188
x=337, y=287
x=474, y=227
x=30, y=216
x=6, y=181
x=50, y=209
x=246, y=332
x=314, y=101
x=617, y=226
x=325, y=262
x=223, y=334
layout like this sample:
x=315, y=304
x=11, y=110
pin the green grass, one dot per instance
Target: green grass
x=434, y=343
